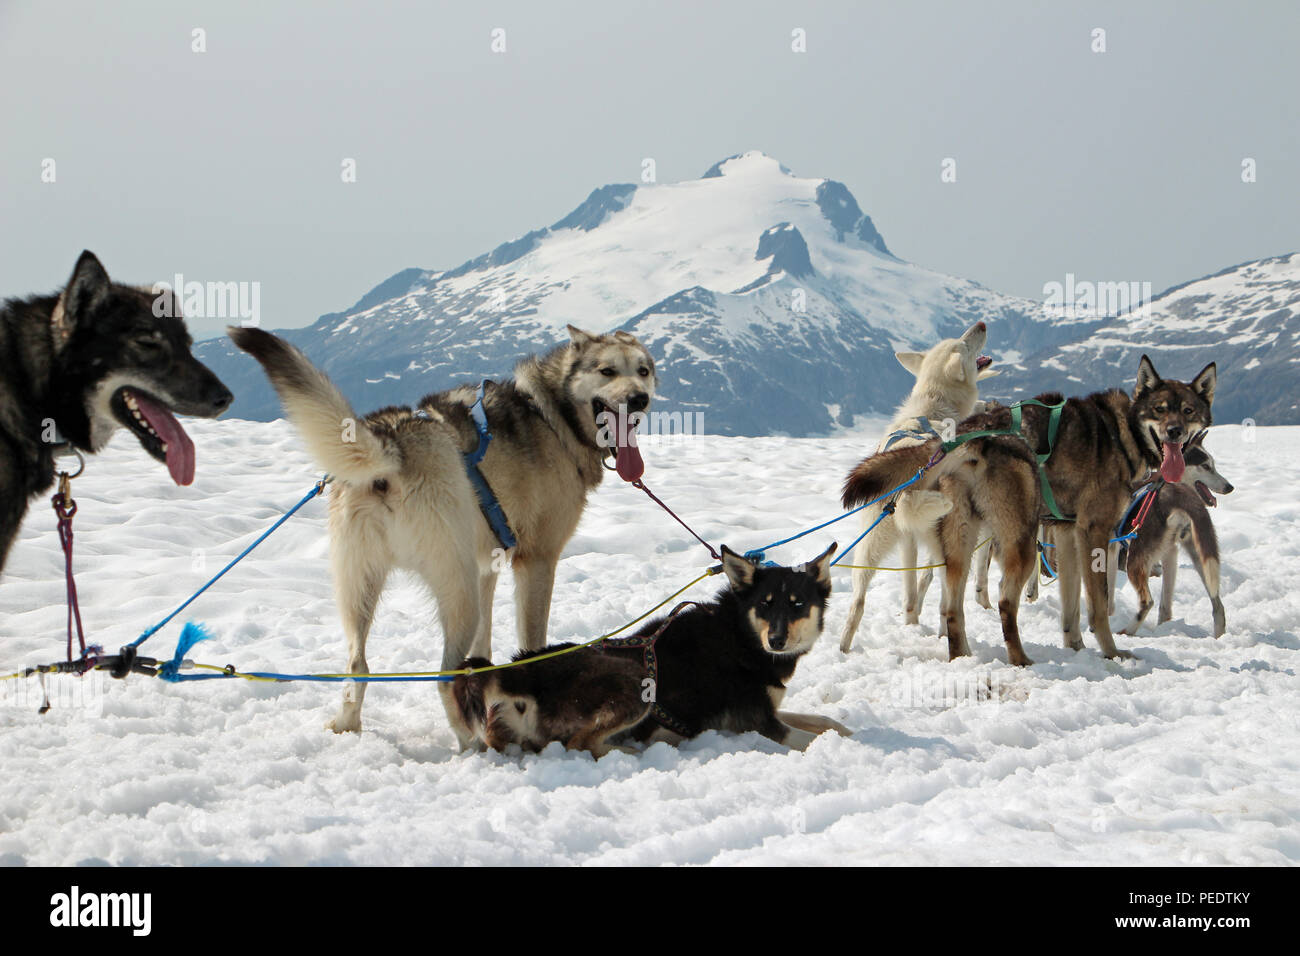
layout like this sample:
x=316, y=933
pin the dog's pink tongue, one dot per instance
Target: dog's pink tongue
x=180, y=450
x=628, y=458
x=1172, y=464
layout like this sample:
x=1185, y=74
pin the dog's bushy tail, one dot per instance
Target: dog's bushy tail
x=336, y=439
x=881, y=472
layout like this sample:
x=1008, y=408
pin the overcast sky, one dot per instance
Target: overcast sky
x=225, y=165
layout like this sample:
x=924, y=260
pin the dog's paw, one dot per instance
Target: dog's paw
x=344, y=724
x=1121, y=655
x=839, y=728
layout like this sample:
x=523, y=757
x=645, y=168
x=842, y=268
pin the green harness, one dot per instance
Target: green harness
x=1054, y=422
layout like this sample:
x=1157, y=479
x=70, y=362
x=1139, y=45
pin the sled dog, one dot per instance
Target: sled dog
x=77, y=365
x=403, y=495
x=1179, y=515
x=1105, y=444
x=723, y=665
x=945, y=390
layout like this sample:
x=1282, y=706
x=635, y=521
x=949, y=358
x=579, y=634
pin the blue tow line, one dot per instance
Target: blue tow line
x=758, y=554
x=149, y=632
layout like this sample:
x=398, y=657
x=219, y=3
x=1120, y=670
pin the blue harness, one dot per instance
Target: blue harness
x=925, y=433
x=1130, y=514
x=487, y=500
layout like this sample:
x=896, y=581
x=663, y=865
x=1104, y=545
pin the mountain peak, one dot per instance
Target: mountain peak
x=752, y=163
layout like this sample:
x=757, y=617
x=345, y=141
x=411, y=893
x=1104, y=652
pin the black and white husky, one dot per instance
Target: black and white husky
x=723, y=665
x=77, y=365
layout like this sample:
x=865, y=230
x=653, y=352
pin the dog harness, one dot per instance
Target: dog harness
x=1054, y=423
x=647, y=643
x=487, y=499
x=924, y=433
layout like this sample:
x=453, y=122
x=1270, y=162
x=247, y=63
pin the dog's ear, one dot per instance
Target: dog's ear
x=627, y=338
x=579, y=337
x=954, y=369
x=1205, y=381
x=1147, y=377
x=987, y=373
x=911, y=361
x=739, y=570
x=86, y=289
x=822, y=564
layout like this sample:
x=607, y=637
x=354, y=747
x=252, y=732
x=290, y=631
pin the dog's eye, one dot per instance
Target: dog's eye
x=1188, y=410
x=643, y=371
x=1161, y=409
x=608, y=372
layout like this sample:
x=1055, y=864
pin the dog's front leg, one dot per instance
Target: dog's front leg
x=487, y=585
x=534, y=580
x=813, y=723
x=793, y=737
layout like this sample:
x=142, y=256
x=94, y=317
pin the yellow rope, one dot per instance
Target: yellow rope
x=493, y=667
x=924, y=567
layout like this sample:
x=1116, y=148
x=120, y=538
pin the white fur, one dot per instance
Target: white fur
x=946, y=391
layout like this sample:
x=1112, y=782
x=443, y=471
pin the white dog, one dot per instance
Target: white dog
x=945, y=393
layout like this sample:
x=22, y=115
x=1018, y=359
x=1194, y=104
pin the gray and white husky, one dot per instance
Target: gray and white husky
x=946, y=391
x=1179, y=515
x=403, y=497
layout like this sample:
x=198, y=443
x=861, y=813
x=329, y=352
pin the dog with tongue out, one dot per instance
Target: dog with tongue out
x=80, y=364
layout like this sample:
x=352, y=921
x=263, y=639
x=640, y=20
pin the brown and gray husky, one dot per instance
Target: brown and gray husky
x=403, y=496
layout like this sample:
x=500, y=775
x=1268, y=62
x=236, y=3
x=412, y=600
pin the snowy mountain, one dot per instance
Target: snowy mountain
x=772, y=304
x=1245, y=318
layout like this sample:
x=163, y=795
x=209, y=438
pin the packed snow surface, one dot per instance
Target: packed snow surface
x=1184, y=756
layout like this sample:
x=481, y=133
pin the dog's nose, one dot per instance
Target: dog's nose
x=638, y=402
x=220, y=398
x=1227, y=489
x=1174, y=432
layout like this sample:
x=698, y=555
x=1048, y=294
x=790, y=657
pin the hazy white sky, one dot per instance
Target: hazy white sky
x=225, y=165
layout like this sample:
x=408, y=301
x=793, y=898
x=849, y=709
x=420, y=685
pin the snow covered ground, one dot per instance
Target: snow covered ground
x=1185, y=756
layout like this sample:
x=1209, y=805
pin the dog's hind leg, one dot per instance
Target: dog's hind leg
x=1018, y=560
x=982, y=576
x=912, y=597
x=534, y=580
x=1031, y=589
x=1205, y=558
x=1093, y=549
x=1169, y=560
x=870, y=551
x=1067, y=576
x=358, y=583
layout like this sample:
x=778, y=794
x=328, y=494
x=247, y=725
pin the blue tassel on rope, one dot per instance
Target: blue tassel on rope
x=191, y=635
